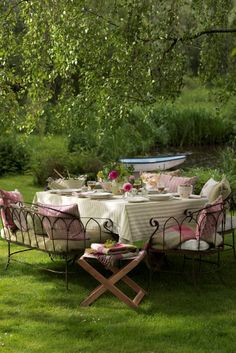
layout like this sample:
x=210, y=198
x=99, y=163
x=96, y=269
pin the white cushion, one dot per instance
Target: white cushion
x=194, y=244
x=222, y=188
x=44, y=243
x=207, y=187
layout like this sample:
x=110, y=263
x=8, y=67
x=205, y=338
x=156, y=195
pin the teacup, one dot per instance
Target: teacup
x=185, y=191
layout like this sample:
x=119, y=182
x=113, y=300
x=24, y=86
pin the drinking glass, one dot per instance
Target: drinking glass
x=91, y=184
x=137, y=185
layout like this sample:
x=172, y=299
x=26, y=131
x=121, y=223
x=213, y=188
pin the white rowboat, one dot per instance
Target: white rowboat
x=148, y=164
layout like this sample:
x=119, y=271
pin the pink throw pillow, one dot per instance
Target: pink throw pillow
x=172, y=182
x=176, y=181
x=7, y=198
x=164, y=179
x=209, y=220
x=62, y=222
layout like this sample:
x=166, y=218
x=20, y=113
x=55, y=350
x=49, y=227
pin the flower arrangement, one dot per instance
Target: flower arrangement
x=116, y=174
x=116, y=171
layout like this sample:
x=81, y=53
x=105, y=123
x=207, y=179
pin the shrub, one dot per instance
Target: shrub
x=132, y=135
x=14, y=155
x=47, y=154
x=51, y=153
x=84, y=163
x=203, y=175
x=228, y=165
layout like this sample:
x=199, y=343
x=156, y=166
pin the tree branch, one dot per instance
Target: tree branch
x=211, y=31
x=175, y=40
x=86, y=9
x=195, y=36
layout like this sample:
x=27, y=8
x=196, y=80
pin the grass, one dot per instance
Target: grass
x=24, y=183
x=38, y=314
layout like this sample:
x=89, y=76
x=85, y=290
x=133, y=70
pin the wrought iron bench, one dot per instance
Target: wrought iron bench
x=51, y=230
x=196, y=237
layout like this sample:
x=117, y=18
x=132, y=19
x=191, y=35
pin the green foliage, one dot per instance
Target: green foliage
x=13, y=155
x=99, y=72
x=227, y=167
x=101, y=59
x=203, y=174
x=121, y=171
x=228, y=164
x=188, y=125
x=51, y=153
x=47, y=154
x=84, y=162
x=131, y=133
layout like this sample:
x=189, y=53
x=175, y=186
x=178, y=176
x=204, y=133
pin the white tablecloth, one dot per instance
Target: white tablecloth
x=131, y=220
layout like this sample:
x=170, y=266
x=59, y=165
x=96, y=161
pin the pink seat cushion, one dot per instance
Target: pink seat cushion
x=172, y=236
x=209, y=220
x=62, y=222
x=172, y=182
x=7, y=198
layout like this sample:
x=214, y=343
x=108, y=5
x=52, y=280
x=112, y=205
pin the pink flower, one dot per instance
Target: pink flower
x=113, y=174
x=132, y=179
x=127, y=187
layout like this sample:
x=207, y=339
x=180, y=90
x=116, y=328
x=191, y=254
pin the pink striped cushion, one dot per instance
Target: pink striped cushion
x=172, y=182
x=209, y=220
x=173, y=236
x=8, y=198
x=165, y=179
x=62, y=222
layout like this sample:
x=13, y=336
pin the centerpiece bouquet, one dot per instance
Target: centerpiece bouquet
x=116, y=177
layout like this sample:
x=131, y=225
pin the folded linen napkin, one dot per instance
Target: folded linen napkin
x=114, y=249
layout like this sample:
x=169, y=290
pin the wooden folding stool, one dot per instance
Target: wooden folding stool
x=109, y=283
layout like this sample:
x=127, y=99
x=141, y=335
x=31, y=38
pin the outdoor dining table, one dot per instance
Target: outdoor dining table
x=131, y=220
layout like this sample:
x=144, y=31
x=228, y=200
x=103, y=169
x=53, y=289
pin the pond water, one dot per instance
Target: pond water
x=204, y=156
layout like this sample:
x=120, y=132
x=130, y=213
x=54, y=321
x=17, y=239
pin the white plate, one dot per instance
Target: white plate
x=63, y=191
x=192, y=196
x=156, y=191
x=137, y=199
x=100, y=195
x=160, y=197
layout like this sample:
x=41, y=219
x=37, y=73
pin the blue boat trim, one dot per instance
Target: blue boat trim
x=148, y=160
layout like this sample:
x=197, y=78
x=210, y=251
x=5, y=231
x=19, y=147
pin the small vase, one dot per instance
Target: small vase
x=107, y=186
x=116, y=188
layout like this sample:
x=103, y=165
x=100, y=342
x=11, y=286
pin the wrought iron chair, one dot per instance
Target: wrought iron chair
x=196, y=237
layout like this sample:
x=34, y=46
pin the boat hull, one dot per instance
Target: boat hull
x=154, y=163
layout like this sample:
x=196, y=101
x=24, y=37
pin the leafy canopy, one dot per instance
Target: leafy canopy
x=95, y=59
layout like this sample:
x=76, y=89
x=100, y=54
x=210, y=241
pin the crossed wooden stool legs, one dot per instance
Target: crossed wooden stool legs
x=109, y=283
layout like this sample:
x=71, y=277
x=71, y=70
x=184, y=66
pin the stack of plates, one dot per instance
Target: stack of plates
x=156, y=191
x=100, y=195
x=160, y=197
x=64, y=191
x=137, y=199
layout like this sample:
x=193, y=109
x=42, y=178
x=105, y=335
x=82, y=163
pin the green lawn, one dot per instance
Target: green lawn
x=38, y=315
x=24, y=183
